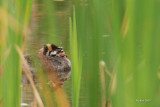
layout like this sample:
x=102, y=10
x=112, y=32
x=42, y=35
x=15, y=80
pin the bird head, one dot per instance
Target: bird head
x=53, y=50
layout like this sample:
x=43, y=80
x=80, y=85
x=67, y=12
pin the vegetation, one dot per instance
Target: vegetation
x=14, y=19
x=113, y=47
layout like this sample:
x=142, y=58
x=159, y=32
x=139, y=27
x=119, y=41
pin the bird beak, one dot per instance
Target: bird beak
x=62, y=54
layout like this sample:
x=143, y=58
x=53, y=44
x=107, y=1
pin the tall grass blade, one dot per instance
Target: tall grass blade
x=76, y=61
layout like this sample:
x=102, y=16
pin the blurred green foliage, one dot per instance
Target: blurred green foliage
x=14, y=19
x=123, y=34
